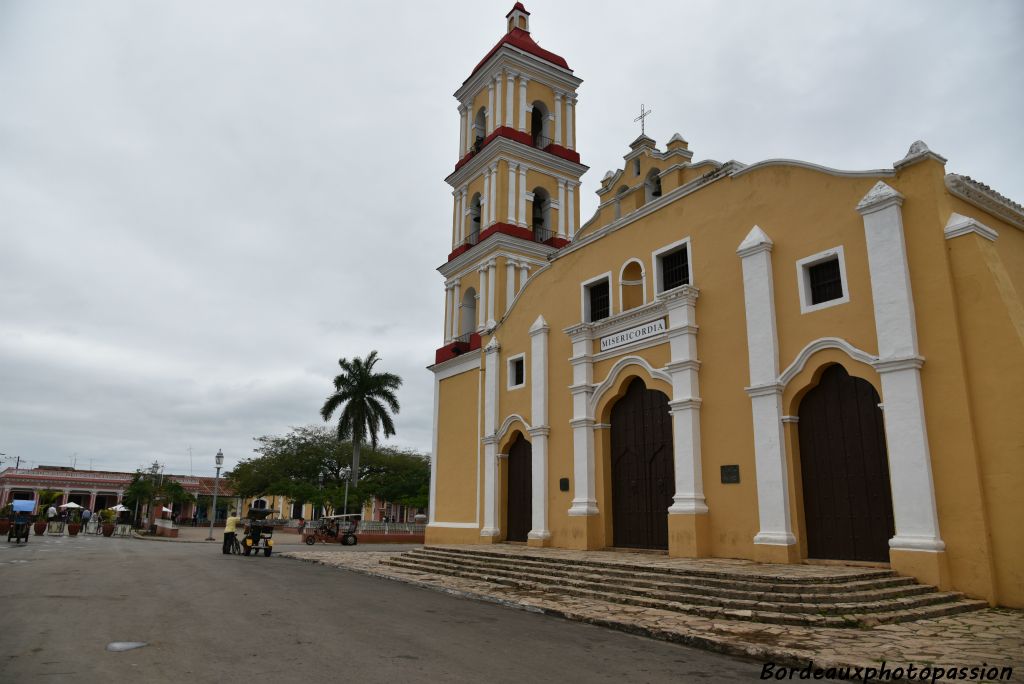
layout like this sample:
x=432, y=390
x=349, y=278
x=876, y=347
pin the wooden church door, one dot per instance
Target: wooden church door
x=845, y=471
x=641, y=468
x=520, y=487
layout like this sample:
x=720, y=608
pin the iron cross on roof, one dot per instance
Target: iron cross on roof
x=643, y=115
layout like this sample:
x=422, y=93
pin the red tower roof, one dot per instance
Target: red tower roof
x=520, y=39
x=517, y=6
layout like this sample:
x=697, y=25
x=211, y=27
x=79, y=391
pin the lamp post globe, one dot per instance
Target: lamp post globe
x=219, y=458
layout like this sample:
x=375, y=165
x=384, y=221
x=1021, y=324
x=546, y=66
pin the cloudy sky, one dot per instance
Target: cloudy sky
x=204, y=205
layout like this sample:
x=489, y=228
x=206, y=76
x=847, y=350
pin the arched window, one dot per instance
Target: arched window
x=652, y=186
x=474, y=219
x=479, y=128
x=539, y=125
x=541, y=222
x=631, y=284
x=259, y=504
x=467, y=316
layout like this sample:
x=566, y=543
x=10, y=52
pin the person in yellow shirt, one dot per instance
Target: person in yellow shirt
x=229, y=530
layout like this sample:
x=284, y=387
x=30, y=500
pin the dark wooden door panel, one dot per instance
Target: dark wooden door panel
x=845, y=470
x=641, y=468
x=520, y=490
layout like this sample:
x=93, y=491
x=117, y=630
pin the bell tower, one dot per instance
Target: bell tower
x=515, y=183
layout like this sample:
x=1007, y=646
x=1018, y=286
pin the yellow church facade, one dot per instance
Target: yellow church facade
x=774, y=361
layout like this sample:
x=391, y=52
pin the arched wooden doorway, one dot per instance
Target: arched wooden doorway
x=845, y=471
x=520, y=485
x=641, y=468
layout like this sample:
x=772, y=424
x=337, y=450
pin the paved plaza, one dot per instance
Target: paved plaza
x=991, y=636
x=209, y=617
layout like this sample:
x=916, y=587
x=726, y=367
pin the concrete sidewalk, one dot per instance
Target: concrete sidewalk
x=994, y=637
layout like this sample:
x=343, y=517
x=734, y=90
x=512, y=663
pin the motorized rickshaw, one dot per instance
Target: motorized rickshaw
x=21, y=520
x=332, y=529
x=258, y=533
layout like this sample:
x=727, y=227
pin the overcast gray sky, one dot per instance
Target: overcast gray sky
x=204, y=205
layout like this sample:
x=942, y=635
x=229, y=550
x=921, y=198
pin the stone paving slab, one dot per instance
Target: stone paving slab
x=992, y=636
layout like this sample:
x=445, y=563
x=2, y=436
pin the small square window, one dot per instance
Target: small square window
x=598, y=296
x=822, y=280
x=517, y=371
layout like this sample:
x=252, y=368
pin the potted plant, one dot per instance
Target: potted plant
x=74, y=523
x=5, y=519
x=47, y=498
x=107, y=518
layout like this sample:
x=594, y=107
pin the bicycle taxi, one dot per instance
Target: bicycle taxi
x=333, y=529
x=21, y=520
x=259, y=533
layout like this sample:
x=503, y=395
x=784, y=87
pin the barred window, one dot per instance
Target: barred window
x=598, y=293
x=675, y=269
x=826, y=282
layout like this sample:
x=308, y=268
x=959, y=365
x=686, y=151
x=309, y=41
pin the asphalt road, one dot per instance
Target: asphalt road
x=208, y=617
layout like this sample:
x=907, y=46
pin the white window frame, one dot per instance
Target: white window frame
x=643, y=281
x=510, y=376
x=657, y=255
x=803, y=279
x=585, y=300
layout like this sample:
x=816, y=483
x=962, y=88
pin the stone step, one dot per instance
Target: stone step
x=651, y=584
x=854, y=619
x=781, y=583
x=696, y=597
x=887, y=581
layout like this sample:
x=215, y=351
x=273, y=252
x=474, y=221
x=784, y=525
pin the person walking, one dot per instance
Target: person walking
x=302, y=526
x=230, y=525
x=86, y=517
x=51, y=513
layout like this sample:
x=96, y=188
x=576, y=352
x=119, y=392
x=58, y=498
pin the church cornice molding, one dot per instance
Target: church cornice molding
x=504, y=149
x=524, y=64
x=498, y=245
x=985, y=198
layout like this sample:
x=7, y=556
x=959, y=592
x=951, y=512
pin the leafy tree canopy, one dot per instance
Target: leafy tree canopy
x=311, y=464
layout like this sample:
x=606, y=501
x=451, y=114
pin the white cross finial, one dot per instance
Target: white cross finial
x=643, y=115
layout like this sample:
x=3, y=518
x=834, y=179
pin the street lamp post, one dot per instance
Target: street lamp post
x=216, y=481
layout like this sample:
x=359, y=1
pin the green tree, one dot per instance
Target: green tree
x=365, y=399
x=45, y=499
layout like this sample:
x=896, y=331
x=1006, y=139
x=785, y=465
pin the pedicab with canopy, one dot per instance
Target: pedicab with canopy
x=259, y=533
x=21, y=520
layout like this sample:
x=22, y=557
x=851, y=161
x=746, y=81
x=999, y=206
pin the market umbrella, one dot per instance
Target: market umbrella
x=119, y=508
x=166, y=509
x=69, y=504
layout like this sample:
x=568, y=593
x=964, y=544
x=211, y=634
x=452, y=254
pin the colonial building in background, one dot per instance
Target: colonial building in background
x=774, y=361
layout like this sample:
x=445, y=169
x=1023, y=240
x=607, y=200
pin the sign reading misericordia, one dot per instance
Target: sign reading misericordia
x=633, y=334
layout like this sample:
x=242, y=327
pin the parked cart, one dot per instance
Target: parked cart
x=259, y=533
x=333, y=529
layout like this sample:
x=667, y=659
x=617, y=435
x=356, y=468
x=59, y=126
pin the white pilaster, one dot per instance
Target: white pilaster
x=524, y=273
x=899, y=365
x=571, y=209
x=509, y=92
x=522, y=196
x=499, y=115
x=539, y=332
x=492, y=282
x=492, y=214
x=462, y=214
x=523, y=80
x=561, y=207
x=490, y=108
x=510, y=283
x=685, y=405
x=481, y=302
x=462, y=130
x=456, y=306
x=570, y=135
x=447, y=313
x=485, y=202
x=512, y=166
x=765, y=392
x=584, y=500
x=492, y=497
x=558, y=118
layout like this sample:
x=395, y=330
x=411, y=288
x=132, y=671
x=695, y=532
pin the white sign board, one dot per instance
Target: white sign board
x=640, y=332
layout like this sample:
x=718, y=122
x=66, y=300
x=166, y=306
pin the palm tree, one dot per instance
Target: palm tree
x=367, y=397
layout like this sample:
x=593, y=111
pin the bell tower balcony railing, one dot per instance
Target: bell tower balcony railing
x=542, y=142
x=462, y=344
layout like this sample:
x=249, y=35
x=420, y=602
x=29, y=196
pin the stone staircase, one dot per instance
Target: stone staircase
x=810, y=596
